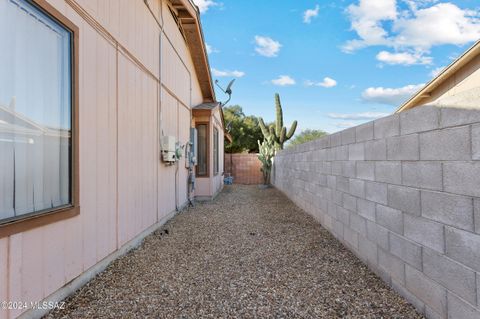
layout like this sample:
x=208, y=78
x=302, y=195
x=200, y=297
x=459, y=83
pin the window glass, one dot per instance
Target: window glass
x=215, y=151
x=35, y=111
x=202, y=150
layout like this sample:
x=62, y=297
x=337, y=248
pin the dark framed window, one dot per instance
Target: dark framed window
x=38, y=116
x=215, y=151
x=202, y=154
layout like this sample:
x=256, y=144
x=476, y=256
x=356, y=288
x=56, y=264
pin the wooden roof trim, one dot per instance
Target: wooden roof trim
x=189, y=17
x=203, y=112
x=426, y=91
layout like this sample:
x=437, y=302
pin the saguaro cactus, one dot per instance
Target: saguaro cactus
x=266, y=154
x=277, y=131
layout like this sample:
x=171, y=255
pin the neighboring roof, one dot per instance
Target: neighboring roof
x=17, y=123
x=426, y=91
x=206, y=106
x=189, y=17
x=210, y=107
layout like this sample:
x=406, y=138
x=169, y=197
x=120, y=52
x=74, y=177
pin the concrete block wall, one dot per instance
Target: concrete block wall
x=403, y=193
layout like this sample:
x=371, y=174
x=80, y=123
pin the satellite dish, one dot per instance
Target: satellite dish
x=229, y=87
x=227, y=91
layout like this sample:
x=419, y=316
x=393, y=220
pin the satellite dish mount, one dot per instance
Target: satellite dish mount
x=227, y=91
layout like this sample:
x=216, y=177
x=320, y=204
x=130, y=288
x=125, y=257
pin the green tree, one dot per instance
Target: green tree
x=245, y=130
x=307, y=136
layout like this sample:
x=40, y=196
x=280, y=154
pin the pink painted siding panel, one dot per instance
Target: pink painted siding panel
x=105, y=167
x=73, y=259
x=149, y=151
x=126, y=188
x=138, y=141
x=174, y=74
x=136, y=31
x=166, y=173
x=88, y=142
x=15, y=267
x=135, y=107
x=113, y=16
x=197, y=97
x=60, y=5
x=122, y=151
x=32, y=250
x=3, y=275
x=171, y=31
x=53, y=260
x=203, y=187
x=111, y=149
x=91, y=6
x=146, y=130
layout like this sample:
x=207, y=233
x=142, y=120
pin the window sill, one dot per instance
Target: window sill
x=27, y=223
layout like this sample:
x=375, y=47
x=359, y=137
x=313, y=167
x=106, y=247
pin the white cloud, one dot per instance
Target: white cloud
x=204, y=5
x=366, y=20
x=390, y=96
x=357, y=116
x=435, y=72
x=226, y=73
x=443, y=23
x=423, y=25
x=211, y=49
x=267, y=46
x=403, y=58
x=309, y=14
x=283, y=80
x=326, y=83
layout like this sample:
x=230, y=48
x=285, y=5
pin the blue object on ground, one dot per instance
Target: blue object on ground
x=228, y=180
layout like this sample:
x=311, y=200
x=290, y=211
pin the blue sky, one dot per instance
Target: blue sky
x=335, y=63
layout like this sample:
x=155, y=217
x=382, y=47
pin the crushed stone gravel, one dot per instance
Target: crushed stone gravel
x=250, y=253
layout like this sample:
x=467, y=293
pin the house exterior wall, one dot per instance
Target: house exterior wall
x=462, y=89
x=403, y=194
x=126, y=102
x=217, y=180
x=209, y=187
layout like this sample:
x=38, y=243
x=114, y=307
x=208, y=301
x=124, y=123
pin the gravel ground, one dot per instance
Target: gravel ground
x=251, y=253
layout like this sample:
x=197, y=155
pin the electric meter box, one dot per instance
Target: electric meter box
x=168, y=148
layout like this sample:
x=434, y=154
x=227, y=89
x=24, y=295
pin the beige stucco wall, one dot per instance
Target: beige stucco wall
x=462, y=89
x=125, y=104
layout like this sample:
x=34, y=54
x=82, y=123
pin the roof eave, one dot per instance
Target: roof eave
x=426, y=91
x=191, y=23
